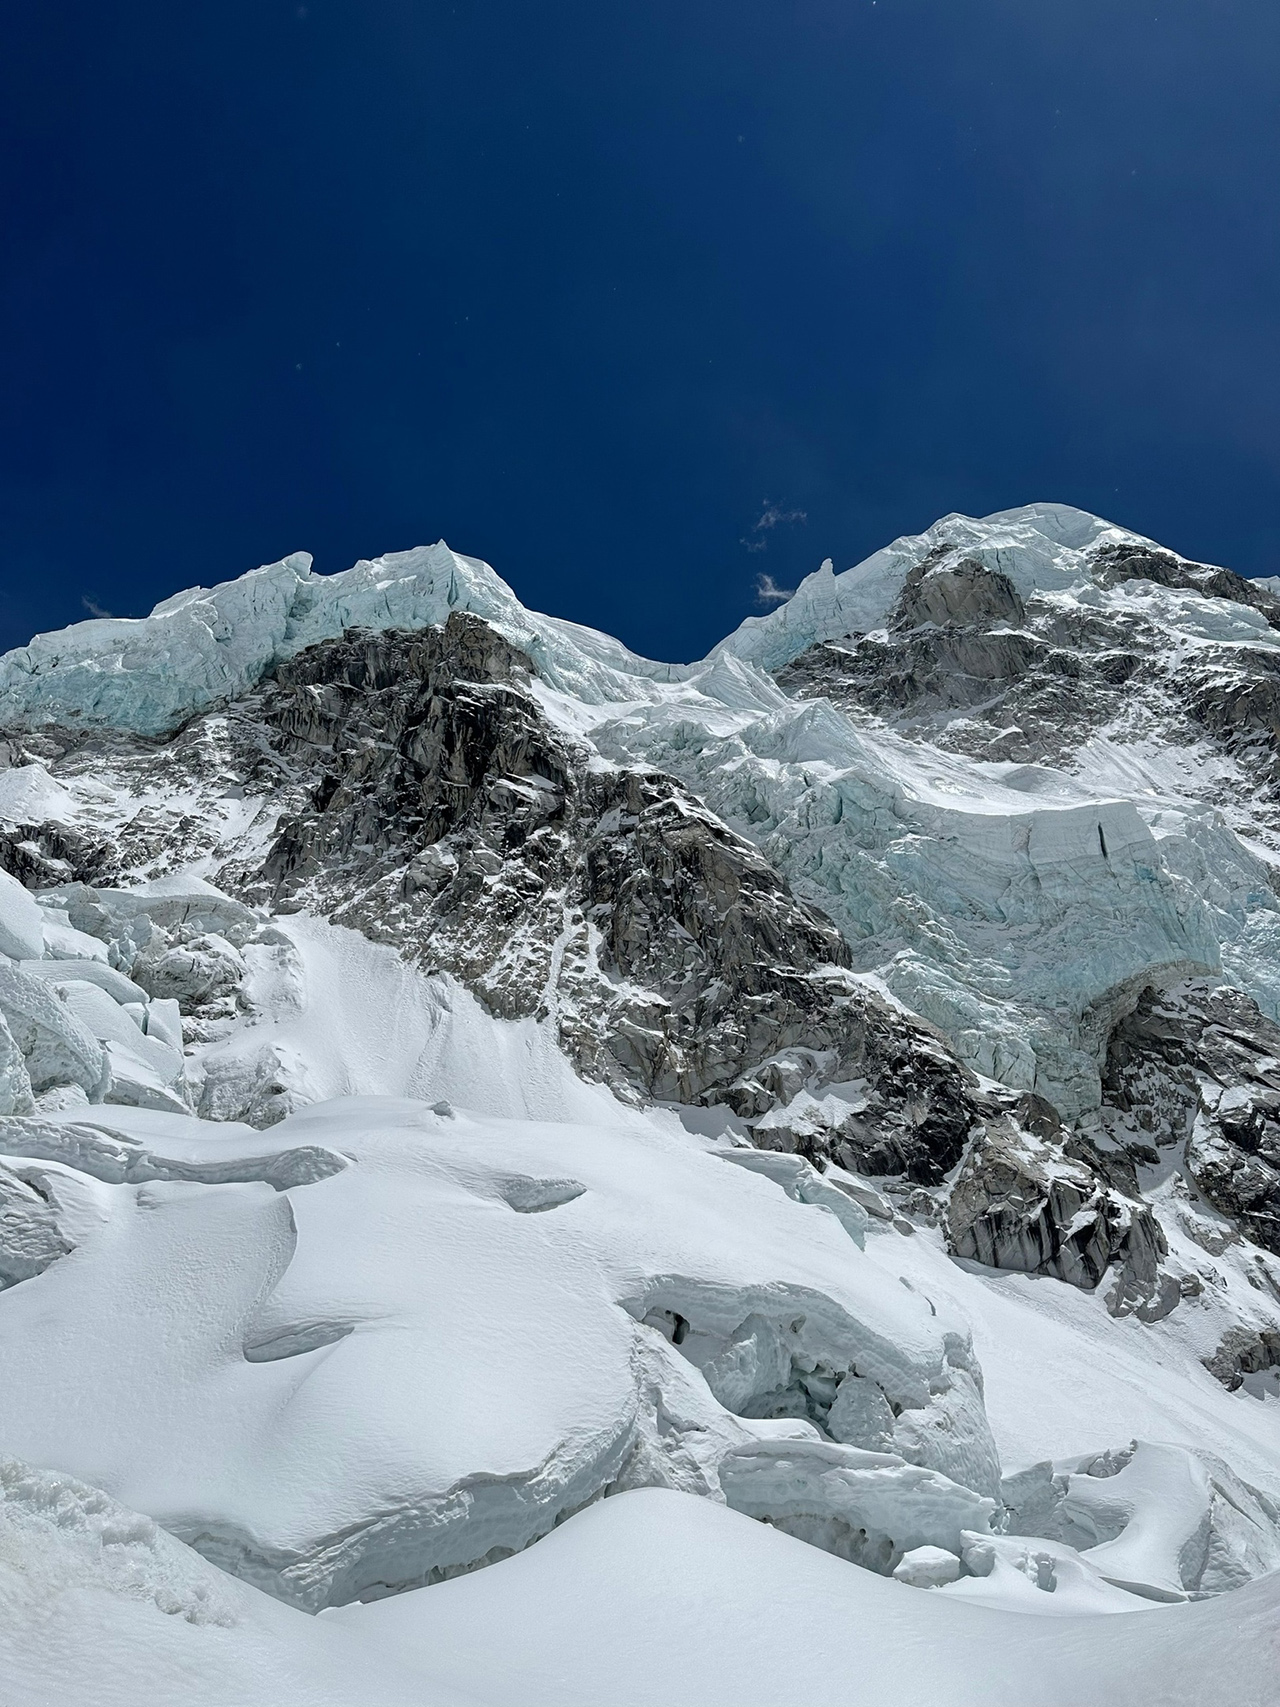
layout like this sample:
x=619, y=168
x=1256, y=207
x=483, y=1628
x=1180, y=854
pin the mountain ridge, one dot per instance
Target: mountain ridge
x=941, y=903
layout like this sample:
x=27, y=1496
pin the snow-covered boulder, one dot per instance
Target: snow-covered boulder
x=203, y=968
x=1045, y=1578
x=98, y=1603
x=145, y=1068
x=63, y=942
x=57, y=1047
x=927, y=1567
x=29, y=795
x=31, y=1236
x=65, y=969
x=1161, y=1521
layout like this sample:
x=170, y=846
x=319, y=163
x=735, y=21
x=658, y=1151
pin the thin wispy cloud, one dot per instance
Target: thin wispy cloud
x=768, y=592
x=773, y=517
x=92, y=606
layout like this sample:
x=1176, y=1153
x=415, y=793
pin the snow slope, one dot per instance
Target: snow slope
x=652, y=1598
x=344, y=1433
x=645, y=1599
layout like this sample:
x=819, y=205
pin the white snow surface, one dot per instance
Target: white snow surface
x=645, y=1599
x=341, y=1016
x=450, y=1335
x=388, y=1340
x=651, y=1598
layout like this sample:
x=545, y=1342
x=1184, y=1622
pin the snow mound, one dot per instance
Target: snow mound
x=648, y=1314
x=70, y=1535
x=644, y=1599
x=652, y=1598
x=98, y=1603
x=1161, y=1521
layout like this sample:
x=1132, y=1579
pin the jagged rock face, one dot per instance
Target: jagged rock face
x=410, y=785
x=1117, y=563
x=1199, y=1066
x=41, y=855
x=946, y=668
x=1017, y=695
x=450, y=818
x=911, y=1111
x=443, y=813
x=444, y=793
x=424, y=799
x=1243, y=1352
x=966, y=593
x=420, y=796
x=1022, y=1202
x=964, y=658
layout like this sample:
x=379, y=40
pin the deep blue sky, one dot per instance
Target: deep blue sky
x=583, y=286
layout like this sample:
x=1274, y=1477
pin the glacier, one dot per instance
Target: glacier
x=395, y=1250
x=1015, y=907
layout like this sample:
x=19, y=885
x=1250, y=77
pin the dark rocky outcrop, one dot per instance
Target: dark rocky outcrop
x=420, y=794
x=965, y=658
x=1239, y=705
x=1199, y=1066
x=43, y=855
x=1121, y=561
x=912, y=1112
x=1020, y=1202
x=964, y=594
x=1243, y=1352
x=925, y=669
x=967, y=662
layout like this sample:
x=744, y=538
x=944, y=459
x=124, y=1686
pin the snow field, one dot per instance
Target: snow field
x=646, y=1598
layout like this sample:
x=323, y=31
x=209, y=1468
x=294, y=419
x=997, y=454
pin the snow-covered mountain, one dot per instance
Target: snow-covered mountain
x=452, y=1069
